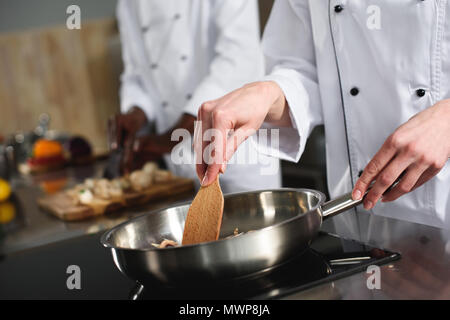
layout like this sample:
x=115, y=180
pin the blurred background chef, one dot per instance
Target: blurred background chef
x=178, y=54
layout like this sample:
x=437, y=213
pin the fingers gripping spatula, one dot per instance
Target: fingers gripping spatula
x=204, y=217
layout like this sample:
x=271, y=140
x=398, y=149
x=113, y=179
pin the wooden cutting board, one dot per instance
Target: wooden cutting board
x=61, y=205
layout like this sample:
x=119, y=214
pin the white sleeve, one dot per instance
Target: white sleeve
x=238, y=55
x=132, y=90
x=289, y=51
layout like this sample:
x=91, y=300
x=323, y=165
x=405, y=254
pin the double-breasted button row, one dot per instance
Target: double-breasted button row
x=419, y=92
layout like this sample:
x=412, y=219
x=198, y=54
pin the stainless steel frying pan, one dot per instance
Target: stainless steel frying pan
x=278, y=225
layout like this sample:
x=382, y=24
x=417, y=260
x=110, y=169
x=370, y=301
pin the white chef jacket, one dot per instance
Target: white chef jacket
x=386, y=51
x=179, y=54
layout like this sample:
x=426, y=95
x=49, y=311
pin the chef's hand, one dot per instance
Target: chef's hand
x=122, y=130
x=152, y=147
x=420, y=147
x=243, y=111
x=123, y=126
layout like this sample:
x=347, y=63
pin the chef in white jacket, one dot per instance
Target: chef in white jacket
x=176, y=55
x=377, y=75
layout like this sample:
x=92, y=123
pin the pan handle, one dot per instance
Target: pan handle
x=346, y=202
x=340, y=204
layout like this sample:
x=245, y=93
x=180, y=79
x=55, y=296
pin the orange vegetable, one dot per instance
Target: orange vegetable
x=47, y=148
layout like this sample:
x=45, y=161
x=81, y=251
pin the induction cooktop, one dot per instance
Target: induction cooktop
x=46, y=272
x=328, y=258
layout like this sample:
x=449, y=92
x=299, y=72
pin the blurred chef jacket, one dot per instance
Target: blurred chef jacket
x=179, y=54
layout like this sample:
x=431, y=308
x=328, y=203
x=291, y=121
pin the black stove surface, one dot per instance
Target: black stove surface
x=42, y=272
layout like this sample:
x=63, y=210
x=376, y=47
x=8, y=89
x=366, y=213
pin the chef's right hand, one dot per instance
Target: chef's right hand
x=122, y=129
x=243, y=111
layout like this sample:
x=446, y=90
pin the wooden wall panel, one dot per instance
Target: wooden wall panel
x=66, y=73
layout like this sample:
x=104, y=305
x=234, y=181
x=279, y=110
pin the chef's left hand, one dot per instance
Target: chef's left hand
x=420, y=147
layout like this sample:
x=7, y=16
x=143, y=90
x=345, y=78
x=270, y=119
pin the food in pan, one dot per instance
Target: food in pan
x=171, y=243
x=165, y=243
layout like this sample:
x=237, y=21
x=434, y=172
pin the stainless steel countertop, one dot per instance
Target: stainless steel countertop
x=423, y=272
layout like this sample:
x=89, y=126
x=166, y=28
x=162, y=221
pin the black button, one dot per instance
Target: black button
x=188, y=96
x=145, y=29
x=338, y=8
x=164, y=104
x=360, y=173
x=420, y=92
x=183, y=57
x=154, y=66
x=354, y=91
x=177, y=16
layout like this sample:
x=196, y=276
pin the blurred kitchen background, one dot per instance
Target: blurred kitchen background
x=58, y=83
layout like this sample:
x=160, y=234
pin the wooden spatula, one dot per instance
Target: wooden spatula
x=204, y=217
